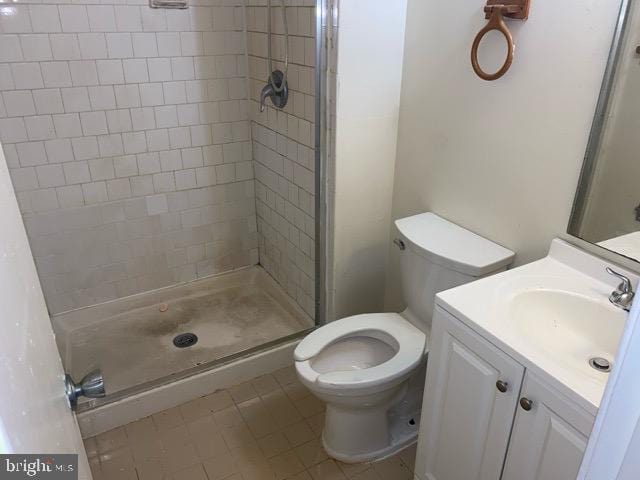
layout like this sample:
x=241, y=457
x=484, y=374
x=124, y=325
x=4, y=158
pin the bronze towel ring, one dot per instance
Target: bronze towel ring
x=495, y=11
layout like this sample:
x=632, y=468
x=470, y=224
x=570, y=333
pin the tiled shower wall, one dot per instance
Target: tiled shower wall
x=283, y=147
x=128, y=132
x=127, y=136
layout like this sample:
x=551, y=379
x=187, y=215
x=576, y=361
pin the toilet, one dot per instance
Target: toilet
x=370, y=368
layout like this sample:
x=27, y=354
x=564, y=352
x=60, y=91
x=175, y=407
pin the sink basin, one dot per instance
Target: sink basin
x=566, y=326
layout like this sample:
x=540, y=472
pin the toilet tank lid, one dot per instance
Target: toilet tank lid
x=452, y=246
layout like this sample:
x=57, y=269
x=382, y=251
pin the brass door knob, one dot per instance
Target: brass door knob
x=502, y=386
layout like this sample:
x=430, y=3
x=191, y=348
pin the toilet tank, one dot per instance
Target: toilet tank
x=436, y=255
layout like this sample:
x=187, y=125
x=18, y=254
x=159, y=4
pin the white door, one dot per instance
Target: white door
x=466, y=418
x=549, y=440
x=34, y=416
x=612, y=451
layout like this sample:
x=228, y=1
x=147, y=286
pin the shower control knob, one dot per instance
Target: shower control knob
x=91, y=386
x=502, y=386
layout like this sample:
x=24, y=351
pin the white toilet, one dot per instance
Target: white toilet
x=369, y=369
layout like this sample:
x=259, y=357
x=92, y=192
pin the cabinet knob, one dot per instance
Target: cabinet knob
x=501, y=386
x=526, y=404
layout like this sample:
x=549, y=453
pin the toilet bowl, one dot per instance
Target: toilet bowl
x=360, y=366
x=369, y=369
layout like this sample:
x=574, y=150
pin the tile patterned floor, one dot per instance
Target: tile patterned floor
x=265, y=429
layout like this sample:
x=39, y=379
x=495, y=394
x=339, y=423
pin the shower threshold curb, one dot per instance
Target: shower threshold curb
x=206, y=379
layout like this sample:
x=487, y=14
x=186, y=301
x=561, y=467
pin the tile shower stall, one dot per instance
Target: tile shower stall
x=141, y=161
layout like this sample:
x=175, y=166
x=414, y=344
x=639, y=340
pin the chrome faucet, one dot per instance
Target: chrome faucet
x=622, y=297
x=267, y=91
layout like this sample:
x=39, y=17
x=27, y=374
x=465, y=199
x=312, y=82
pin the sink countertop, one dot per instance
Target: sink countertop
x=487, y=307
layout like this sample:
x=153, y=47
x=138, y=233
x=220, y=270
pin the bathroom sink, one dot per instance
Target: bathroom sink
x=552, y=315
x=566, y=326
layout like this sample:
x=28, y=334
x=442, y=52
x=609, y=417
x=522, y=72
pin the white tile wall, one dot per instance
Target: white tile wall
x=283, y=148
x=128, y=137
x=127, y=133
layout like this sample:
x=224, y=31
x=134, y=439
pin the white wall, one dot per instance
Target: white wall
x=371, y=37
x=500, y=158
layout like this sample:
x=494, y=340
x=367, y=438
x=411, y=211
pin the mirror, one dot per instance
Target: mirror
x=606, y=210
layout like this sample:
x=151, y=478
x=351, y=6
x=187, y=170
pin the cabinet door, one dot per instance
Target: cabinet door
x=548, y=441
x=466, y=419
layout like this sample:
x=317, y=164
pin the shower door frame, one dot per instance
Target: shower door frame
x=323, y=145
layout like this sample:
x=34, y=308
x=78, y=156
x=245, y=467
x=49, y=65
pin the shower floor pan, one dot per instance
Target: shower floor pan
x=132, y=339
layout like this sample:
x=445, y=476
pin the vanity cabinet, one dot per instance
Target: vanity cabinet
x=549, y=440
x=473, y=426
x=466, y=419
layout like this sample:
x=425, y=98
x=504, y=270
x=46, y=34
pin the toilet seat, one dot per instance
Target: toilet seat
x=408, y=342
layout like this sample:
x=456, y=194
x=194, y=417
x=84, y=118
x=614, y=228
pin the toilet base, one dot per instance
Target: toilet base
x=384, y=430
x=403, y=431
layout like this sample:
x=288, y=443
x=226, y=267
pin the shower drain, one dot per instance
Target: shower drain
x=185, y=340
x=600, y=364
